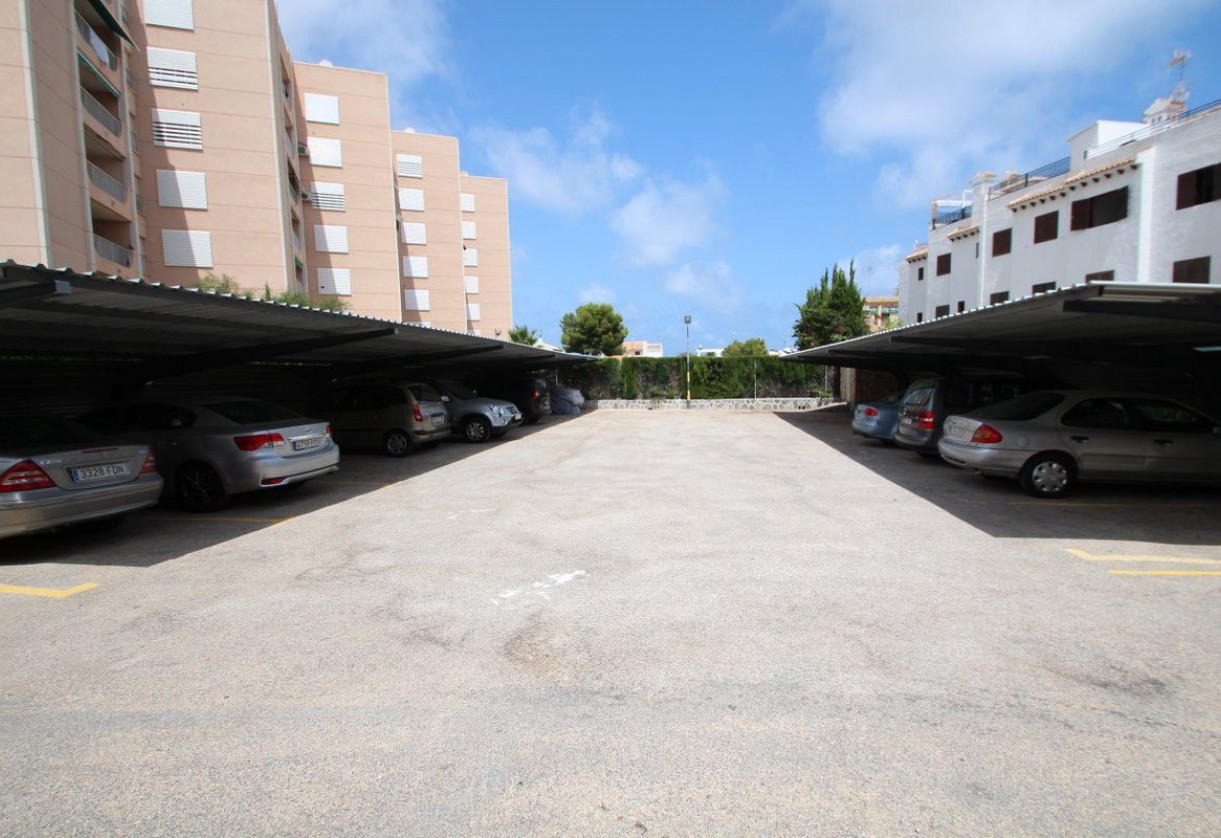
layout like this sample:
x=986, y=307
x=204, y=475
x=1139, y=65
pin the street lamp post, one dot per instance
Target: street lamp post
x=687, y=323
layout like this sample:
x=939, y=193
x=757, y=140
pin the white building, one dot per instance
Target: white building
x=1133, y=202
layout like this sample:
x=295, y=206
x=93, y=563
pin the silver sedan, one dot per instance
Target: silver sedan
x=1049, y=441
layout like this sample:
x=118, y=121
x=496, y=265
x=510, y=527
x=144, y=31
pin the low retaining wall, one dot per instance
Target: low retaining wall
x=707, y=404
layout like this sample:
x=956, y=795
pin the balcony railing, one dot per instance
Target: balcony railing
x=296, y=242
x=116, y=253
x=951, y=217
x=1150, y=130
x=1013, y=184
x=110, y=185
x=95, y=41
x=98, y=111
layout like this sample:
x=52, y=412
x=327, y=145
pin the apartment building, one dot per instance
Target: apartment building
x=173, y=139
x=1133, y=202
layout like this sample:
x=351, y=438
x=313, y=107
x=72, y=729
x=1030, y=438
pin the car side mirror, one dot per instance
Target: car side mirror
x=445, y=399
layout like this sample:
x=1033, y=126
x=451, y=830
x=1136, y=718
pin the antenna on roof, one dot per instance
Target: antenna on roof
x=1181, y=92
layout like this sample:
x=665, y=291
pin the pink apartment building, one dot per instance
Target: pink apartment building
x=172, y=139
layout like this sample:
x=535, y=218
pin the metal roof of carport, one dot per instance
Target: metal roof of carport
x=1138, y=324
x=174, y=330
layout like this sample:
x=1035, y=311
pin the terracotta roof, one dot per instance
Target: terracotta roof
x=963, y=232
x=1071, y=181
x=921, y=253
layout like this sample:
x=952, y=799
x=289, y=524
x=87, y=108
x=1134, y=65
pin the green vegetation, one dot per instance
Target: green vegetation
x=833, y=310
x=750, y=346
x=741, y=377
x=593, y=329
x=223, y=284
x=524, y=335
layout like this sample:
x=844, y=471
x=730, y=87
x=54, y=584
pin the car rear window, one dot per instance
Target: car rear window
x=459, y=391
x=252, y=411
x=424, y=393
x=919, y=398
x=27, y=431
x=1021, y=409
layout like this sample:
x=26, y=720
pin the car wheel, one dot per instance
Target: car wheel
x=396, y=443
x=199, y=488
x=477, y=429
x=1048, y=476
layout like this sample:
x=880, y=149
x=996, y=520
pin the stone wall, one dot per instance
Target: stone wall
x=707, y=404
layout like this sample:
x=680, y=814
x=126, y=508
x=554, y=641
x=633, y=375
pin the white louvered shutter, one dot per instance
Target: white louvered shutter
x=411, y=199
x=322, y=108
x=177, y=129
x=416, y=301
x=330, y=238
x=172, y=68
x=468, y=202
x=414, y=233
x=472, y=284
x=415, y=266
x=472, y=312
x=336, y=281
x=176, y=14
x=187, y=190
x=469, y=230
x=187, y=248
x=328, y=196
x=470, y=257
x=409, y=165
x=325, y=152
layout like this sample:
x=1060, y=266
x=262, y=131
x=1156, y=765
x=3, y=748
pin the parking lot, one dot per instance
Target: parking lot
x=627, y=623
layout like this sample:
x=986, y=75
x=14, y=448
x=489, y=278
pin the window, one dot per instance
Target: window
x=1192, y=270
x=1100, y=276
x=943, y=264
x=1047, y=227
x=186, y=190
x=1167, y=417
x=472, y=312
x=177, y=129
x=919, y=316
x=176, y=14
x=409, y=165
x=328, y=196
x=470, y=257
x=187, y=248
x=1106, y=208
x=411, y=199
x=322, y=108
x=1103, y=414
x=1199, y=187
x=472, y=284
x=920, y=274
x=416, y=300
x=942, y=311
x=415, y=266
x=335, y=281
x=999, y=297
x=414, y=233
x=1041, y=287
x=962, y=306
x=330, y=238
x=172, y=68
x=468, y=202
x=1002, y=242
x=325, y=152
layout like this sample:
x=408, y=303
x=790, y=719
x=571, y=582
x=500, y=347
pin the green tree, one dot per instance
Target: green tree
x=750, y=346
x=223, y=284
x=593, y=329
x=523, y=334
x=834, y=310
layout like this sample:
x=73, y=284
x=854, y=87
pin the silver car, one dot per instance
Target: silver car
x=1050, y=440
x=213, y=448
x=477, y=418
x=55, y=473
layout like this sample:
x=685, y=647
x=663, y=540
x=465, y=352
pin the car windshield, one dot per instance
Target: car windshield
x=26, y=431
x=252, y=411
x=1021, y=409
x=459, y=391
x=892, y=398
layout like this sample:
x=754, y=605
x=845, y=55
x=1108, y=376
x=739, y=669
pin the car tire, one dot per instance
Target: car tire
x=396, y=443
x=476, y=429
x=1048, y=475
x=199, y=488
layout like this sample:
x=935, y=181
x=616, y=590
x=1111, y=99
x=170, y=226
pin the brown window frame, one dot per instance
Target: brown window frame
x=1189, y=270
x=998, y=297
x=1098, y=210
x=1002, y=242
x=944, y=264
x=1043, y=287
x=1100, y=276
x=941, y=311
x=1199, y=186
x=1041, y=225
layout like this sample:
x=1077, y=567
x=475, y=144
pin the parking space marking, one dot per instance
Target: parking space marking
x=1166, y=572
x=1091, y=557
x=52, y=593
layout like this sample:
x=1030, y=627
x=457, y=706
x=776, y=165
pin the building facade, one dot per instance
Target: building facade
x=176, y=139
x=1133, y=202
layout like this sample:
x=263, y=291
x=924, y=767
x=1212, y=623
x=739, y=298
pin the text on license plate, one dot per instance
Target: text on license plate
x=87, y=474
x=306, y=444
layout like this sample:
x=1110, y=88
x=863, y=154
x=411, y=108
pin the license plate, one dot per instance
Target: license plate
x=438, y=421
x=306, y=444
x=88, y=474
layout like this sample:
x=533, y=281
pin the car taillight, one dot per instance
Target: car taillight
x=23, y=477
x=536, y=395
x=925, y=422
x=150, y=464
x=417, y=413
x=328, y=431
x=870, y=411
x=986, y=434
x=253, y=442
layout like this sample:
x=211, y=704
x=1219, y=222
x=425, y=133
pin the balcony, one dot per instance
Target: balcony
x=100, y=114
x=110, y=185
x=99, y=48
x=952, y=217
x=1016, y=183
x=297, y=243
x=108, y=250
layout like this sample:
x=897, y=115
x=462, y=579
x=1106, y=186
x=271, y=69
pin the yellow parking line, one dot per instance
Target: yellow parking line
x=53, y=593
x=1090, y=557
x=1166, y=572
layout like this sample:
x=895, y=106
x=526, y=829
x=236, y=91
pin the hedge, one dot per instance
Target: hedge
x=763, y=376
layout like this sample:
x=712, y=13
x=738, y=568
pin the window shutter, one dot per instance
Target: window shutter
x=328, y=196
x=1081, y=215
x=177, y=129
x=472, y=284
x=414, y=233
x=416, y=301
x=172, y=68
x=1187, y=193
x=468, y=202
x=411, y=199
x=187, y=248
x=335, y=281
x=325, y=152
x=468, y=230
x=472, y=312
x=330, y=238
x=415, y=266
x=322, y=108
x=409, y=165
x=176, y=14
x=470, y=257
x=187, y=190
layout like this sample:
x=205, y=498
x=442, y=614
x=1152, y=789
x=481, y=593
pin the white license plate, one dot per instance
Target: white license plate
x=306, y=444
x=88, y=474
x=438, y=421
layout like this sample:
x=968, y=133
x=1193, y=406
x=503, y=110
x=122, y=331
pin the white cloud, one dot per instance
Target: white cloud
x=877, y=273
x=667, y=217
x=572, y=177
x=711, y=285
x=596, y=292
x=967, y=84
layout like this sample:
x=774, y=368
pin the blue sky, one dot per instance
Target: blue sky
x=713, y=158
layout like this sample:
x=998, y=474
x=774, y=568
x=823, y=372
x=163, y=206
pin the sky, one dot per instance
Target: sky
x=675, y=157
